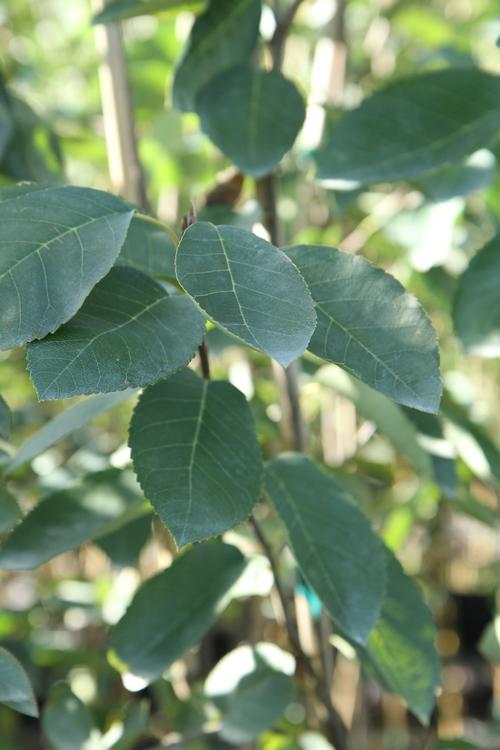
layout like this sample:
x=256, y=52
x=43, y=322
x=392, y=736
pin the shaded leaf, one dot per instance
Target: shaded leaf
x=338, y=553
x=196, y=455
x=56, y=244
x=253, y=116
x=66, y=423
x=70, y=517
x=456, y=744
x=440, y=450
x=489, y=645
x=149, y=249
x=369, y=325
x=10, y=512
x=128, y=332
x=413, y=126
x=172, y=610
x=401, y=649
x=477, y=303
x=118, y=10
x=15, y=689
x=6, y=126
x=123, y=546
x=223, y=36
x=67, y=722
x=247, y=287
x=473, y=174
x=5, y=420
x=252, y=687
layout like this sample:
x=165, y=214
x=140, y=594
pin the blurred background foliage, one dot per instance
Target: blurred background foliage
x=443, y=525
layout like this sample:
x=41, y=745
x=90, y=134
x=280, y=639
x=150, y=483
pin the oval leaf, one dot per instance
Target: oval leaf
x=247, y=287
x=196, y=455
x=369, y=324
x=149, y=249
x=173, y=609
x=15, y=689
x=68, y=518
x=128, y=333
x=253, y=116
x=477, y=304
x=413, y=126
x=401, y=648
x=67, y=722
x=338, y=553
x=224, y=35
x=252, y=687
x=56, y=244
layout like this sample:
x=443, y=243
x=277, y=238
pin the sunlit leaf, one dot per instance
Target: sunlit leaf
x=401, y=649
x=118, y=10
x=128, y=333
x=252, y=687
x=71, y=517
x=253, y=116
x=15, y=689
x=413, y=126
x=196, y=455
x=247, y=287
x=338, y=553
x=172, y=610
x=223, y=36
x=56, y=244
x=369, y=324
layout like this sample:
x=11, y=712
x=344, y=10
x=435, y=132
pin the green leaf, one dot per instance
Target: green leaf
x=468, y=176
x=456, y=744
x=149, y=249
x=10, y=512
x=123, y=546
x=253, y=116
x=247, y=287
x=4, y=420
x=56, y=244
x=223, y=36
x=118, y=10
x=252, y=687
x=128, y=333
x=338, y=553
x=477, y=304
x=441, y=452
x=65, y=424
x=413, y=126
x=369, y=325
x=172, y=610
x=67, y=722
x=196, y=455
x=489, y=645
x=6, y=126
x=401, y=648
x=68, y=518
x=15, y=689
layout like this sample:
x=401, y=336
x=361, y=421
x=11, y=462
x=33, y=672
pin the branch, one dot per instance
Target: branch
x=283, y=24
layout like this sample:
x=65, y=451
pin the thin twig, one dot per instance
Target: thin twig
x=283, y=23
x=204, y=360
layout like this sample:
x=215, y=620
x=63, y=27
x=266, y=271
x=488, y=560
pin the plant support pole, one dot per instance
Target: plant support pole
x=125, y=170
